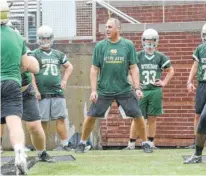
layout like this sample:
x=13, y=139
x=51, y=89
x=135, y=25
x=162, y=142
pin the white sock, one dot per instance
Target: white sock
x=131, y=144
x=83, y=142
x=40, y=151
x=64, y=142
x=18, y=147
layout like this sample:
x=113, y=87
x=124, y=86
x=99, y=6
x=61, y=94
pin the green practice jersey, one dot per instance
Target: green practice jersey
x=200, y=56
x=114, y=60
x=12, y=49
x=151, y=67
x=49, y=77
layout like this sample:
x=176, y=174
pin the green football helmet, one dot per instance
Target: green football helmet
x=45, y=36
x=4, y=12
x=203, y=33
x=150, y=34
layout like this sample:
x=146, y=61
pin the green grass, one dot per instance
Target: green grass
x=119, y=162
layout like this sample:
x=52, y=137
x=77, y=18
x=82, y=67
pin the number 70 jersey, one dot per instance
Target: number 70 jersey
x=49, y=78
x=151, y=67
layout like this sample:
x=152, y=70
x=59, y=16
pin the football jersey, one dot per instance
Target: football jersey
x=114, y=60
x=12, y=49
x=151, y=67
x=200, y=56
x=49, y=77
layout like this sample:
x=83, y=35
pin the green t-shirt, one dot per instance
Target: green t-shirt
x=12, y=49
x=151, y=67
x=114, y=60
x=49, y=77
x=200, y=56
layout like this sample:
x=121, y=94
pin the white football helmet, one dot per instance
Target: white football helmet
x=150, y=34
x=203, y=33
x=4, y=12
x=45, y=36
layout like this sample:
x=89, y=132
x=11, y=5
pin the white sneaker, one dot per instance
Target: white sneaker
x=153, y=146
x=1, y=150
x=131, y=146
x=21, y=163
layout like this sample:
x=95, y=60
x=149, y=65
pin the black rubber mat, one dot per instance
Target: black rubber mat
x=203, y=157
x=64, y=158
x=9, y=169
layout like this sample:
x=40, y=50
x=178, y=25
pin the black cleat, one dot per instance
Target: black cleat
x=45, y=157
x=147, y=147
x=82, y=148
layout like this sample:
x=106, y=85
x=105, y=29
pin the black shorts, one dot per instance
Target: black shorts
x=128, y=101
x=30, y=105
x=200, y=98
x=11, y=99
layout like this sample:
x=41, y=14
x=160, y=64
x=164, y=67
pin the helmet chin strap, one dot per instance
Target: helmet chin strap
x=149, y=51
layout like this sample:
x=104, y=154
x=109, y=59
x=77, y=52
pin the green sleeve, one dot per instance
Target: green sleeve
x=64, y=59
x=165, y=62
x=132, y=55
x=24, y=49
x=138, y=54
x=196, y=54
x=96, y=55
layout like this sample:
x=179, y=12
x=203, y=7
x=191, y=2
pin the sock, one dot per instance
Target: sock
x=40, y=152
x=132, y=140
x=151, y=139
x=64, y=142
x=198, y=150
x=18, y=147
x=83, y=142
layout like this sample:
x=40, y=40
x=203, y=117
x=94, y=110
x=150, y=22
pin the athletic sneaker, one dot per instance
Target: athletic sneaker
x=45, y=157
x=193, y=159
x=82, y=148
x=20, y=163
x=147, y=147
x=131, y=146
x=1, y=150
x=153, y=146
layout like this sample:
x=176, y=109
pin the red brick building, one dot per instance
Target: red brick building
x=179, y=36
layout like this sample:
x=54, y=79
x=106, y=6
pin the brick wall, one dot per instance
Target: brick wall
x=175, y=127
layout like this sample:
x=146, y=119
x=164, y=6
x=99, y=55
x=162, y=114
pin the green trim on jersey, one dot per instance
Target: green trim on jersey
x=49, y=77
x=114, y=60
x=199, y=55
x=12, y=49
x=151, y=67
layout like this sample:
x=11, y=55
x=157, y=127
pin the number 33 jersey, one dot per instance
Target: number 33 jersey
x=49, y=77
x=151, y=67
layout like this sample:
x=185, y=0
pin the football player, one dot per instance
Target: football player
x=49, y=86
x=151, y=64
x=199, y=68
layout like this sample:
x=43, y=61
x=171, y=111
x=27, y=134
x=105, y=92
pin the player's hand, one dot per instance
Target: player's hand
x=38, y=95
x=159, y=83
x=191, y=88
x=63, y=84
x=94, y=96
x=139, y=94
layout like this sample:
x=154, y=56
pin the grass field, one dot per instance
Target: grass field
x=119, y=162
